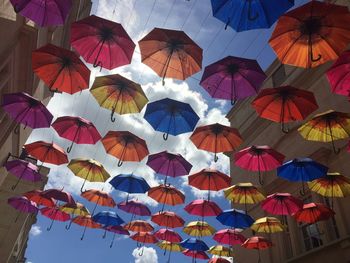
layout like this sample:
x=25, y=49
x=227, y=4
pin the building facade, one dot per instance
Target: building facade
x=20, y=38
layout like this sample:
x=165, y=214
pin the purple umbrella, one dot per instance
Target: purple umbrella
x=169, y=164
x=134, y=208
x=23, y=205
x=23, y=170
x=233, y=78
x=27, y=110
x=117, y=230
x=43, y=12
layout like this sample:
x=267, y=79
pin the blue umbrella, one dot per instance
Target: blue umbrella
x=107, y=218
x=302, y=170
x=130, y=184
x=235, y=218
x=194, y=244
x=249, y=14
x=171, y=117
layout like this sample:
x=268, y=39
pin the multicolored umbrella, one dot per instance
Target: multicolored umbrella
x=170, y=246
x=171, y=53
x=195, y=254
x=216, y=138
x=313, y=212
x=229, y=237
x=233, y=78
x=169, y=164
x=88, y=169
x=221, y=251
x=36, y=197
x=77, y=130
x=258, y=243
x=171, y=117
x=194, y=244
x=199, y=229
x=125, y=146
x=120, y=230
x=118, y=94
x=281, y=204
x=235, y=219
x=168, y=219
x=107, y=218
x=99, y=198
x=55, y=214
x=27, y=110
x=23, y=205
x=143, y=238
x=251, y=14
x=267, y=225
x=102, y=42
x=339, y=75
x=58, y=195
x=284, y=104
x=312, y=34
x=60, y=69
x=135, y=208
x=329, y=126
x=43, y=13
x=139, y=226
x=168, y=235
x=46, y=152
x=130, y=183
x=218, y=260
x=86, y=222
x=166, y=194
x=203, y=208
x=76, y=209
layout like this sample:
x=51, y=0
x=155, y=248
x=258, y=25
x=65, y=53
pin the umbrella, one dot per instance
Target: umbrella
x=332, y=185
x=46, y=152
x=216, y=138
x=235, y=219
x=258, y=243
x=258, y=158
x=312, y=34
x=26, y=110
x=59, y=195
x=220, y=251
x=171, y=53
x=23, y=205
x=107, y=218
x=244, y=193
x=203, y=208
x=167, y=219
x=302, y=169
x=166, y=245
x=194, y=254
x=229, y=237
x=327, y=127
x=171, y=117
x=198, y=229
x=144, y=238
x=130, y=183
x=76, y=209
x=77, y=130
x=117, y=230
x=60, y=69
x=88, y=169
x=267, y=225
x=194, y=244
x=87, y=222
x=55, y=214
x=125, y=146
x=313, y=212
x=135, y=208
x=233, y=78
x=43, y=13
x=284, y=104
x=218, y=260
x=339, y=75
x=23, y=170
x=168, y=235
x=209, y=179
x=36, y=197
x=139, y=226
x=281, y=204
x=118, y=94
x=247, y=15
x=99, y=198
x=102, y=42
x=166, y=194
x=169, y=164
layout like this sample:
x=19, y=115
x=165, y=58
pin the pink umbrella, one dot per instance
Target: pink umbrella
x=281, y=204
x=55, y=214
x=195, y=254
x=134, y=208
x=339, y=75
x=229, y=237
x=203, y=208
x=23, y=205
x=58, y=195
x=77, y=130
x=168, y=235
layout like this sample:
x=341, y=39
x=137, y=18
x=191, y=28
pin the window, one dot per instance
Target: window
x=312, y=236
x=279, y=76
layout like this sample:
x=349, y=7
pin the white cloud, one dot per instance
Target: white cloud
x=35, y=231
x=149, y=255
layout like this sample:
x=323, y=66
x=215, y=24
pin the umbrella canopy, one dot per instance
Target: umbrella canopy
x=118, y=94
x=198, y=229
x=218, y=260
x=220, y=251
x=233, y=78
x=313, y=212
x=102, y=42
x=235, y=218
x=203, y=208
x=327, y=127
x=171, y=117
x=88, y=169
x=86, y=222
x=26, y=110
x=339, y=75
x=171, y=246
x=23, y=205
x=60, y=69
x=166, y=194
x=55, y=214
x=118, y=230
x=171, y=53
x=77, y=130
x=194, y=244
x=125, y=146
x=139, y=226
x=312, y=34
x=229, y=237
x=98, y=197
x=135, y=208
x=43, y=13
x=216, y=138
x=130, y=183
x=284, y=104
x=167, y=219
x=251, y=14
x=257, y=242
x=168, y=235
x=195, y=254
x=281, y=204
x=108, y=218
x=36, y=197
x=47, y=152
x=144, y=238
x=58, y=195
x=267, y=225
x=76, y=209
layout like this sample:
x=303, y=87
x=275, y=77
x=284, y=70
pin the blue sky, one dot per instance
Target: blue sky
x=138, y=18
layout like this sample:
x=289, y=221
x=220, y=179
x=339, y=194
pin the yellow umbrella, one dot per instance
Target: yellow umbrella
x=76, y=209
x=267, y=225
x=199, y=228
x=327, y=127
x=172, y=247
x=88, y=169
x=221, y=251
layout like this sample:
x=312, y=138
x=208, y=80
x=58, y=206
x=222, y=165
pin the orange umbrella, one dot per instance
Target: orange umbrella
x=312, y=34
x=125, y=146
x=216, y=138
x=99, y=198
x=139, y=226
x=87, y=222
x=167, y=219
x=144, y=238
x=166, y=194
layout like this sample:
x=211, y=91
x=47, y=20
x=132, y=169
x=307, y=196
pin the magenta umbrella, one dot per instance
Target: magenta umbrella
x=23, y=205
x=102, y=42
x=120, y=230
x=233, y=78
x=203, y=208
x=168, y=235
x=58, y=195
x=339, y=75
x=229, y=237
x=134, y=208
x=43, y=12
x=169, y=164
x=77, y=130
x=55, y=214
x=23, y=170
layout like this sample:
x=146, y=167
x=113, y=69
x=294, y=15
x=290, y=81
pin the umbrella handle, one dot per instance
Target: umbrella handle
x=120, y=163
x=16, y=130
x=111, y=245
x=261, y=180
x=141, y=252
x=97, y=64
x=233, y=101
x=250, y=17
x=216, y=158
x=69, y=225
x=227, y=23
x=284, y=129
x=302, y=191
x=165, y=136
x=49, y=228
x=70, y=148
x=313, y=59
x=112, y=116
x=104, y=234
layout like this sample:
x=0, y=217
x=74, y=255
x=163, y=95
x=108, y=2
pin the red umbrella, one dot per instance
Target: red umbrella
x=168, y=219
x=144, y=238
x=166, y=194
x=339, y=75
x=58, y=195
x=37, y=197
x=313, y=212
x=77, y=130
x=258, y=158
x=168, y=235
x=203, y=208
x=55, y=214
x=46, y=152
x=102, y=42
x=139, y=226
x=60, y=69
x=229, y=237
x=195, y=254
x=218, y=260
x=281, y=204
x=257, y=243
